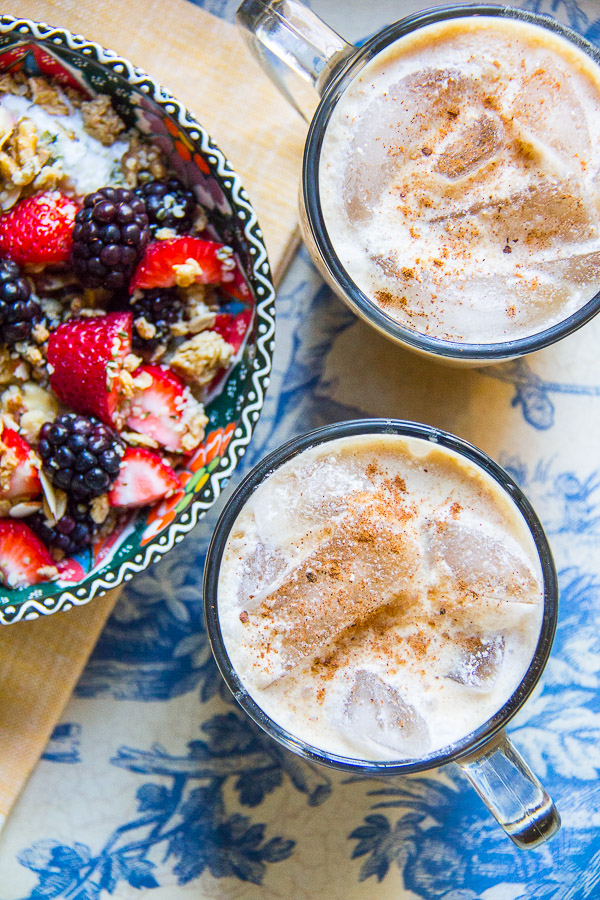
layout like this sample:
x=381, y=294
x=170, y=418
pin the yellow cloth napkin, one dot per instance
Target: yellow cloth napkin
x=204, y=63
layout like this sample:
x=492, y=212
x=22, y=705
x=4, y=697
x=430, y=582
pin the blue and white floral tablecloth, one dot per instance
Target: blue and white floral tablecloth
x=156, y=784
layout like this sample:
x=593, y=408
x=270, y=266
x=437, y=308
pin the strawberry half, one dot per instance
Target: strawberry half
x=39, y=229
x=233, y=328
x=214, y=263
x=143, y=479
x=22, y=555
x=24, y=481
x=85, y=358
x=156, y=411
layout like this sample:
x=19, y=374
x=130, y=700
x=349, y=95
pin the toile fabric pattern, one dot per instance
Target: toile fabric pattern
x=155, y=784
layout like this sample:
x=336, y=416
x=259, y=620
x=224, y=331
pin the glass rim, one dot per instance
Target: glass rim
x=358, y=301
x=471, y=742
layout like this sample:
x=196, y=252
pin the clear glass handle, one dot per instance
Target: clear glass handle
x=294, y=46
x=512, y=793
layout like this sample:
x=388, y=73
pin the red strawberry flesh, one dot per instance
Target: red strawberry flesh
x=22, y=555
x=39, y=229
x=214, y=263
x=233, y=328
x=143, y=479
x=85, y=358
x=24, y=481
x=156, y=411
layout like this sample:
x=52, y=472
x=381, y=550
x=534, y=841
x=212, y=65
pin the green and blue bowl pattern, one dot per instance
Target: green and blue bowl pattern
x=236, y=402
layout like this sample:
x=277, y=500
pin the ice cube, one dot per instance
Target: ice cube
x=260, y=569
x=478, y=140
x=479, y=662
x=481, y=559
x=394, y=125
x=377, y=711
x=312, y=495
x=367, y=563
x=554, y=116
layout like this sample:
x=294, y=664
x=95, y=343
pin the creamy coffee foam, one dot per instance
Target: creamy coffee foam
x=460, y=179
x=380, y=597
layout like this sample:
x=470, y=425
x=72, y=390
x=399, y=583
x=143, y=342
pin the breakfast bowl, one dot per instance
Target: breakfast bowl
x=233, y=396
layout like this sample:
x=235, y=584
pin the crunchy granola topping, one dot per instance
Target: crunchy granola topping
x=28, y=407
x=141, y=162
x=139, y=440
x=198, y=359
x=49, y=96
x=187, y=272
x=8, y=464
x=40, y=333
x=101, y=121
x=144, y=328
x=99, y=509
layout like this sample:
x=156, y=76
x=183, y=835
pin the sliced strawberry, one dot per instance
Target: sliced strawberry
x=39, y=229
x=156, y=411
x=215, y=263
x=24, y=481
x=85, y=358
x=22, y=555
x=143, y=478
x=233, y=328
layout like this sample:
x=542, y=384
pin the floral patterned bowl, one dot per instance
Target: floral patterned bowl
x=235, y=405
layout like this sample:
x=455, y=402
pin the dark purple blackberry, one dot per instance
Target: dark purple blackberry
x=18, y=310
x=73, y=532
x=109, y=237
x=81, y=455
x=169, y=205
x=159, y=308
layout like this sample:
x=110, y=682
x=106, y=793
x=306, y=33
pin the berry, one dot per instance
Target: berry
x=169, y=205
x=18, y=311
x=110, y=234
x=233, y=328
x=22, y=555
x=156, y=268
x=39, y=229
x=73, y=532
x=85, y=357
x=143, y=479
x=160, y=308
x=156, y=411
x=24, y=481
x=80, y=456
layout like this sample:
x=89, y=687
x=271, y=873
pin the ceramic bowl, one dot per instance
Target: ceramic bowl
x=236, y=401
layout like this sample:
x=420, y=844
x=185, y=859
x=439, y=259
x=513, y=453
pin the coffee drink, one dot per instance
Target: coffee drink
x=380, y=597
x=459, y=179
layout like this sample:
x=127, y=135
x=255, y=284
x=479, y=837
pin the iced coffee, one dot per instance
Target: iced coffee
x=380, y=597
x=459, y=179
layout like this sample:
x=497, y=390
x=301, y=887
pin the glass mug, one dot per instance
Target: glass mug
x=292, y=43
x=491, y=763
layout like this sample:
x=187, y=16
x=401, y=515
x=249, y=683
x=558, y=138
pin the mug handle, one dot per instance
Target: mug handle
x=511, y=792
x=294, y=46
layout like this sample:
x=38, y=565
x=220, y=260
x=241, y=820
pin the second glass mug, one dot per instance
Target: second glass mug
x=292, y=44
x=487, y=757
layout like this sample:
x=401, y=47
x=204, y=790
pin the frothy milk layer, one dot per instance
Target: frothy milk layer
x=460, y=179
x=380, y=597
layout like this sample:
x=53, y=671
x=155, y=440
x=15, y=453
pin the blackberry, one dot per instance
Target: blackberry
x=18, y=310
x=169, y=205
x=81, y=455
x=159, y=308
x=110, y=234
x=73, y=532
